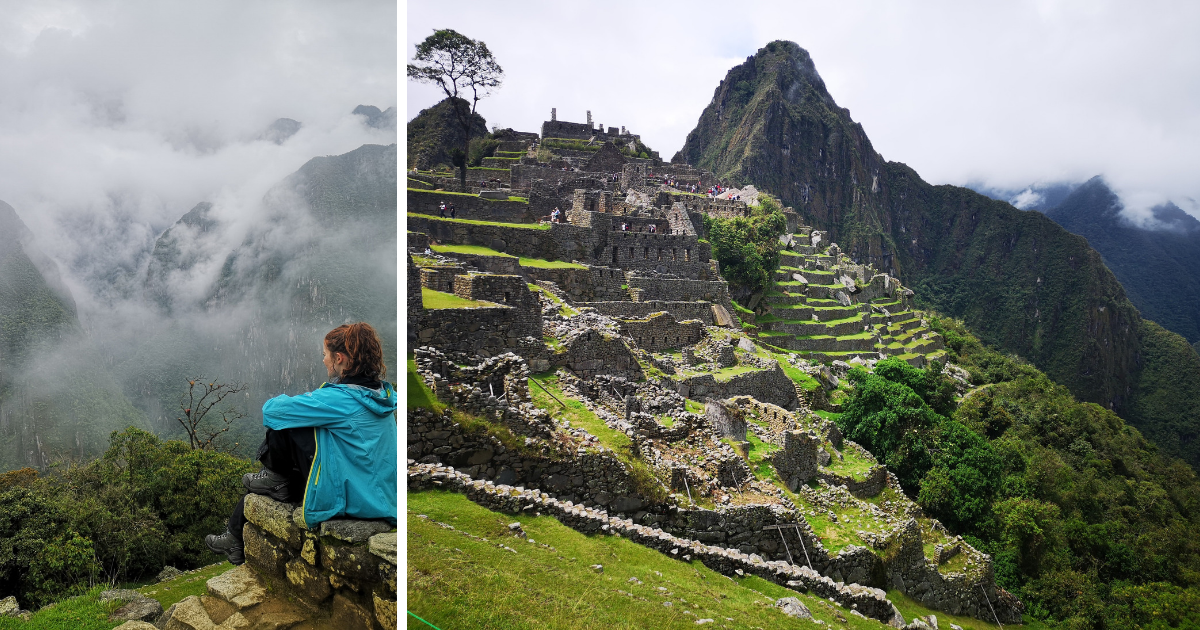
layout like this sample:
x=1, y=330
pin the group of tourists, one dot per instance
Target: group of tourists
x=443, y=208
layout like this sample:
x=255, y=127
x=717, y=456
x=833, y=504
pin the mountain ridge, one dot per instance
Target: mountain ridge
x=1018, y=279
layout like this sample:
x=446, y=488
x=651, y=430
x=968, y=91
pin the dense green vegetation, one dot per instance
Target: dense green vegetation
x=1086, y=521
x=145, y=504
x=435, y=134
x=747, y=248
x=1156, y=267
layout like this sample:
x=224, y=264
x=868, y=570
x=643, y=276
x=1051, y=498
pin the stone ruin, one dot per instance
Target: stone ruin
x=622, y=301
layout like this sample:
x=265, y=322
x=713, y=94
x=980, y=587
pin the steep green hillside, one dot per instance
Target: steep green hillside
x=1156, y=266
x=1019, y=280
x=434, y=132
x=32, y=310
x=1087, y=521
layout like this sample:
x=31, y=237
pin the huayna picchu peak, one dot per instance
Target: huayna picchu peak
x=1017, y=279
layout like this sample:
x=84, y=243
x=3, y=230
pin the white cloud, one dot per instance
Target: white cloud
x=118, y=117
x=1003, y=93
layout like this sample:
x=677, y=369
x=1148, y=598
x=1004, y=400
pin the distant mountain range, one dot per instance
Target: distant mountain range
x=1156, y=260
x=248, y=304
x=1017, y=279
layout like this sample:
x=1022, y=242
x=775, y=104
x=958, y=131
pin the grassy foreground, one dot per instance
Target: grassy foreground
x=87, y=612
x=457, y=580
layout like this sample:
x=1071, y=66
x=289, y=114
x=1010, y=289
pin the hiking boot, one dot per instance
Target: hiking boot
x=228, y=546
x=267, y=483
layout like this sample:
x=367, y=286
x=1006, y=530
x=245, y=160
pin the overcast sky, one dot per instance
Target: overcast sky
x=1005, y=93
x=118, y=117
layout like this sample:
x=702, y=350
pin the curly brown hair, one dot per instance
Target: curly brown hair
x=361, y=344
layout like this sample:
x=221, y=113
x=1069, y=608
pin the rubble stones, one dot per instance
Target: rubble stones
x=793, y=607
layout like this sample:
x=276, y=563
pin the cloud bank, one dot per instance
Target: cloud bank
x=116, y=118
x=1005, y=93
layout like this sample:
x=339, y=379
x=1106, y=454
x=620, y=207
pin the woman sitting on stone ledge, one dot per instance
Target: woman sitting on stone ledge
x=332, y=449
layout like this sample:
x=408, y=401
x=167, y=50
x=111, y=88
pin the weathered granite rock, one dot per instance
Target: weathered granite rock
x=793, y=607
x=141, y=609
x=115, y=594
x=275, y=518
x=189, y=614
x=168, y=573
x=350, y=561
x=309, y=580
x=385, y=612
x=353, y=531
x=240, y=587
x=384, y=546
x=265, y=554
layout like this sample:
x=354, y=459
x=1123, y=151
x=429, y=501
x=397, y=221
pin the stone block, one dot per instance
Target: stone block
x=141, y=609
x=387, y=574
x=308, y=580
x=349, y=614
x=275, y=518
x=351, y=561
x=240, y=586
x=189, y=614
x=353, y=530
x=309, y=551
x=385, y=612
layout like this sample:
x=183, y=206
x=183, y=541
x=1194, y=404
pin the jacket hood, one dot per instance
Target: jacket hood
x=381, y=402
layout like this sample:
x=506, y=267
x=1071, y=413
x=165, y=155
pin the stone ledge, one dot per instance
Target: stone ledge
x=871, y=602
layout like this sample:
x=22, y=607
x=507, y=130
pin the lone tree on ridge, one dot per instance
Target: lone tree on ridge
x=457, y=63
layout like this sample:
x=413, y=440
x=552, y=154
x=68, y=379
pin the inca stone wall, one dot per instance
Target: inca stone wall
x=584, y=285
x=867, y=601
x=347, y=566
x=770, y=385
x=470, y=207
x=660, y=331
x=680, y=310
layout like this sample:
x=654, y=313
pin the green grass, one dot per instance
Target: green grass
x=462, y=194
x=576, y=412
x=186, y=585
x=439, y=300
x=759, y=461
x=478, y=250
x=851, y=465
x=86, y=612
x=523, y=226
x=456, y=581
x=419, y=394
x=693, y=406
x=549, y=264
x=828, y=415
x=911, y=609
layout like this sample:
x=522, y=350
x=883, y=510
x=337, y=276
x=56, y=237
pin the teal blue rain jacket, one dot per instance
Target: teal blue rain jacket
x=354, y=471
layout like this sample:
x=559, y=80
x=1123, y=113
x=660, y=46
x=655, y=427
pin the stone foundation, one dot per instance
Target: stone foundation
x=346, y=566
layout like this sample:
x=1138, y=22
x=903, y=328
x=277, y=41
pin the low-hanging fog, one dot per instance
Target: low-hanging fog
x=116, y=121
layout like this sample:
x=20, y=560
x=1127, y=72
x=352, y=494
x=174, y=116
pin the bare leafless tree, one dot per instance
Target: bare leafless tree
x=202, y=399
